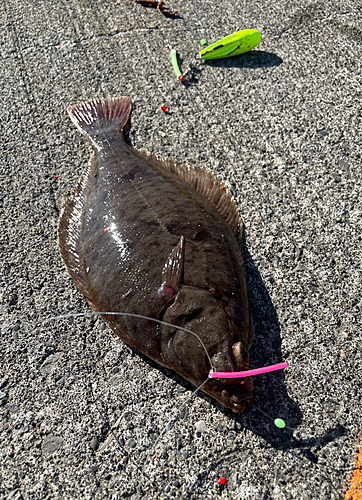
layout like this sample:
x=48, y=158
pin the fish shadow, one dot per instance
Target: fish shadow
x=253, y=59
x=271, y=398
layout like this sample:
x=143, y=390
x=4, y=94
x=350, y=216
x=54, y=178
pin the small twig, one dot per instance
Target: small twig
x=160, y=5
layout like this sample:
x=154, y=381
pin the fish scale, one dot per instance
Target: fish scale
x=149, y=236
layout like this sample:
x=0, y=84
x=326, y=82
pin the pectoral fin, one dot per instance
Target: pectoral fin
x=172, y=275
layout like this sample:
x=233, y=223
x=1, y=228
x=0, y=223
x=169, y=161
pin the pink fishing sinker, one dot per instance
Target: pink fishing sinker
x=248, y=373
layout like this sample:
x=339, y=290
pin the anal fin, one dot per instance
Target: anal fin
x=70, y=232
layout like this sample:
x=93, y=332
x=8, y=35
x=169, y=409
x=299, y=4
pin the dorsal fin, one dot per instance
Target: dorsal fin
x=206, y=183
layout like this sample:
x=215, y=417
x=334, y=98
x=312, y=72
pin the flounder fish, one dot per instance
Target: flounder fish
x=149, y=236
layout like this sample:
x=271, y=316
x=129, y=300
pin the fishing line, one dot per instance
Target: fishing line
x=212, y=374
x=140, y=316
x=160, y=322
x=165, y=428
x=173, y=96
x=90, y=314
x=318, y=465
x=100, y=411
x=271, y=418
x=112, y=429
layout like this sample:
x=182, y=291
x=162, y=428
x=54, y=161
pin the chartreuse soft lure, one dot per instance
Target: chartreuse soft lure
x=232, y=45
x=176, y=69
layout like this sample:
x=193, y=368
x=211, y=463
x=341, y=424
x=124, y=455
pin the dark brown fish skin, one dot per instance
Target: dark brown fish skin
x=127, y=219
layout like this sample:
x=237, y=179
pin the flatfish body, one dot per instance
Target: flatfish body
x=155, y=238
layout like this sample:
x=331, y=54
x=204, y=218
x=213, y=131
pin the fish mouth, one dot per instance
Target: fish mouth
x=234, y=395
x=237, y=402
x=235, y=399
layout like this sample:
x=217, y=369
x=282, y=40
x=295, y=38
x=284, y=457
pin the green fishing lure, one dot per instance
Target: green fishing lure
x=232, y=45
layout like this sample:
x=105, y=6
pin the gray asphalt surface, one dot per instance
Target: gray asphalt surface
x=282, y=127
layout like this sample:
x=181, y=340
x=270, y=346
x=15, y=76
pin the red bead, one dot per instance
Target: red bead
x=222, y=481
x=164, y=109
x=181, y=78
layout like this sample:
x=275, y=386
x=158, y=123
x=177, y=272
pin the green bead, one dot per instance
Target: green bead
x=203, y=42
x=279, y=423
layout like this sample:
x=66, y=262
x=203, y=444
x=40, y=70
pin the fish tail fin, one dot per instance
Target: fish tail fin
x=92, y=116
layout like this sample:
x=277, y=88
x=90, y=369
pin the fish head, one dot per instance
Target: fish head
x=212, y=340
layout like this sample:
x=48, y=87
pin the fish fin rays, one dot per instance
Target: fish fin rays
x=206, y=183
x=69, y=233
x=172, y=275
x=98, y=114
